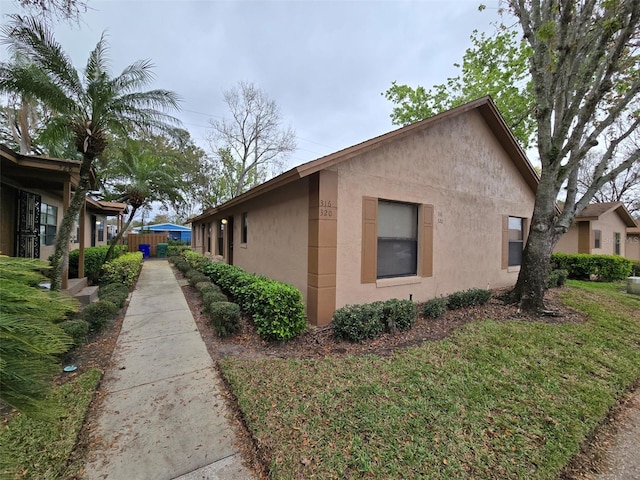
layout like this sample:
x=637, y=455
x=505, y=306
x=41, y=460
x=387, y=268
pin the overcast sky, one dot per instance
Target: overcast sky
x=325, y=63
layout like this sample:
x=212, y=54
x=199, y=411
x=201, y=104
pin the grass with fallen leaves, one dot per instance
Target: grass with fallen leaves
x=39, y=449
x=494, y=400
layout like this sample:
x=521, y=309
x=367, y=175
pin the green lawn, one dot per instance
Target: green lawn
x=495, y=400
x=39, y=449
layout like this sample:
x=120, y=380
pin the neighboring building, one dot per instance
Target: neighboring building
x=435, y=207
x=632, y=248
x=599, y=228
x=35, y=191
x=173, y=231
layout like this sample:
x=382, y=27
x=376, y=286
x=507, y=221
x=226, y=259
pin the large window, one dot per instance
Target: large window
x=516, y=241
x=397, y=239
x=48, y=224
x=597, y=238
x=244, y=227
x=100, y=227
x=616, y=243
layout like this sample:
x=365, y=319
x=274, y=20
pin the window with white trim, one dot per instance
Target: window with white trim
x=48, y=224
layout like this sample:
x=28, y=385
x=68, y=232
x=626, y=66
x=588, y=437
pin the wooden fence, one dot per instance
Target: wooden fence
x=152, y=239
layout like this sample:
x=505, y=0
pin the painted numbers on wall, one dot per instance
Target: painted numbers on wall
x=326, y=207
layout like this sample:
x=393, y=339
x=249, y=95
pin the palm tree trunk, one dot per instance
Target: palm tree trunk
x=117, y=238
x=60, y=256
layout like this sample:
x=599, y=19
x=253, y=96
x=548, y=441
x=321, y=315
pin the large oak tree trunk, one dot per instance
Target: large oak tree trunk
x=536, y=258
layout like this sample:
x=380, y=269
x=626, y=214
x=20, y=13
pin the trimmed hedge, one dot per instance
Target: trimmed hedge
x=557, y=278
x=98, y=314
x=359, y=322
x=225, y=318
x=76, y=329
x=176, y=250
x=114, y=292
x=207, y=286
x=124, y=269
x=193, y=258
x=434, y=308
x=582, y=266
x=211, y=297
x=276, y=307
x=468, y=298
x=635, y=269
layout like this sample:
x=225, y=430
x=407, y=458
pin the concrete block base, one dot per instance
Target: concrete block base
x=633, y=285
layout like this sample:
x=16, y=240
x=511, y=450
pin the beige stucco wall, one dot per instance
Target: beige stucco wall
x=460, y=168
x=632, y=247
x=568, y=243
x=277, y=235
x=609, y=224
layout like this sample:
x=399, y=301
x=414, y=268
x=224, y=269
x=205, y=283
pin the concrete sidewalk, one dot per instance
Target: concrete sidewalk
x=163, y=414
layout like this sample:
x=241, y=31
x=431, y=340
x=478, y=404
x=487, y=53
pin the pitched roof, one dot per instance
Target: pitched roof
x=594, y=211
x=106, y=208
x=166, y=227
x=485, y=106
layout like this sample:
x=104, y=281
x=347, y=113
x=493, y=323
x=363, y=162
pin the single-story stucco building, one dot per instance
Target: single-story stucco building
x=600, y=228
x=34, y=194
x=439, y=206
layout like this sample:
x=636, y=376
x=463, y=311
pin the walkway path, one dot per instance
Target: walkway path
x=163, y=415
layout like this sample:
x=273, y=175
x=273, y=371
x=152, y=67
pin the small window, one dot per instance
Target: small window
x=597, y=236
x=48, y=224
x=220, y=238
x=516, y=241
x=616, y=243
x=397, y=239
x=244, y=227
x=100, y=227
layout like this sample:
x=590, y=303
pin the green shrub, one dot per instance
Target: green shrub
x=176, y=250
x=468, y=298
x=197, y=278
x=277, y=308
x=194, y=259
x=93, y=261
x=207, y=286
x=114, y=292
x=399, y=314
x=582, y=266
x=635, y=269
x=76, y=329
x=225, y=318
x=124, y=269
x=211, y=297
x=182, y=265
x=557, y=278
x=434, y=308
x=358, y=322
x=98, y=314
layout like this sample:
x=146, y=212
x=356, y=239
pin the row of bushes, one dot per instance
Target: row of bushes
x=117, y=278
x=582, y=266
x=224, y=315
x=359, y=322
x=437, y=307
x=276, y=308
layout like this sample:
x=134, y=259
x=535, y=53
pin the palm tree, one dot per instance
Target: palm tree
x=139, y=176
x=86, y=107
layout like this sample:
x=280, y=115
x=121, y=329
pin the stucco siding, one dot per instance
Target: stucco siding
x=610, y=224
x=632, y=247
x=568, y=243
x=277, y=235
x=458, y=167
